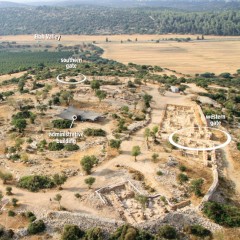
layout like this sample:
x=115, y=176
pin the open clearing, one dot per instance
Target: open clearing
x=189, y=58
x=215, y=54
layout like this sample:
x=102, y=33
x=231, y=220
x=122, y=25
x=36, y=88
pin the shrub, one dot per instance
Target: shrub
x=62, y=123
x=167, y=232
x=71, y=147
x=90, y=181
x=22, y=115
x=125, y=232
x=115, y=143
x=197, y=230
x=14, y=201
x=182, y=168
x=11, y=213
x=54, y=146
x=222, y=214
x=36, y=227
x=159, y=173
x=36, y=182
x=31, y=217
x=196, y=186
x=9, y=191
x=182, y=178
x=72, y=232
x=77, y=195
x=94, y=132
x=88, y=162
x=238, y=146
x=15, y=157
x=5, y=176
x=94, y=234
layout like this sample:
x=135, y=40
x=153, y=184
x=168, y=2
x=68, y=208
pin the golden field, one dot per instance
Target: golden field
x=215, y=54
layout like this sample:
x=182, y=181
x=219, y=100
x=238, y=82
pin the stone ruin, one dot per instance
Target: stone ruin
x=122, y=197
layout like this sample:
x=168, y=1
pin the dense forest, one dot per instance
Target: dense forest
x=92, y=20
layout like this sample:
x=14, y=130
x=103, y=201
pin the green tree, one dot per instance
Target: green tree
x=6, y=177
x=36, y=227
x=20, y=124
x=155, y=156
x=142, y=200
x=101, y=95
x=9, y=191
x=42, y=108
x=115, y=143
x=197, y=230
x=21, y=85
x=125, y=109
x=14, y=201
x=59, y=180
x=147, y=133
x=90, y=181
x=154, y=132
x=88, y=162
x=66, y=97
x=147, y=100
x=95, y=85
x=167, y=232
x=136, y=151
x=223, y=214
x=72, y=232
x=196, y=186
x=182, y=178
x=58, y=198
x=95, y=233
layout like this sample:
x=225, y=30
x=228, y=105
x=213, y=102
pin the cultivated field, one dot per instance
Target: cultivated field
x=188, y=58
x=214, y=54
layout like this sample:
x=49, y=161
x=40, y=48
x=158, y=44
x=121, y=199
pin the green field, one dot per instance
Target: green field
x=11, y=62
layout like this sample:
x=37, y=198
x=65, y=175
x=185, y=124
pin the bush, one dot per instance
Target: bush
x=62, y=123
x=22, y=115
x=94, y=132
x=72, y=232
x=71, y=147
x=36, y=227
x=11, y=213
x=125, y=232
x=15, y=157
x=182, y=178
x=77, y=195
x=222, y=214
x=182, y=168
x=88, y=162
x=115, y=143
x=54, y=146
x=196, y=186
x=35, y=183
x=238, y=146
x=159, y=173
x=94, y=234
x=31, y=217
x=167, y=232
x=197, y=230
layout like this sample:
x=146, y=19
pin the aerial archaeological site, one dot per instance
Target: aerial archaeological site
x=120, y=123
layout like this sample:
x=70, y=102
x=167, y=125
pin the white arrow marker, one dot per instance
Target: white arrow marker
x=74, y=118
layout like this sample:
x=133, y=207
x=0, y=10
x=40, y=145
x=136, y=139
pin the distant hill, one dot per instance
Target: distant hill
x=92, y=20
x=190, y=5
x=6, y=4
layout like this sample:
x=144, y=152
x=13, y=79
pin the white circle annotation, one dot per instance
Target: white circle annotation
x=71, y=83
x=200, y=149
